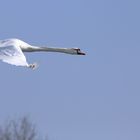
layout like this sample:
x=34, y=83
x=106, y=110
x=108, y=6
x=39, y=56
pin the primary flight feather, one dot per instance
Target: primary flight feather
x=11, y=52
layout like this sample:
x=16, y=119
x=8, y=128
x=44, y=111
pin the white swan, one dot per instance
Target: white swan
x=11, y=51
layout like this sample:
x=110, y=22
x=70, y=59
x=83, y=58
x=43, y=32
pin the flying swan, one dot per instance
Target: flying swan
x=11, y=52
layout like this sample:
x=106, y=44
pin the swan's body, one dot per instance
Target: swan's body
x=11, y=51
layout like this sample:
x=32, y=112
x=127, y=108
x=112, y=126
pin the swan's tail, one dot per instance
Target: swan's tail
x=33, y=66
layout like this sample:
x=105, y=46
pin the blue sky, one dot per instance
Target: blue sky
x=73, y=97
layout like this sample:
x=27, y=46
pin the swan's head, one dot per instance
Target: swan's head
x=77, y=51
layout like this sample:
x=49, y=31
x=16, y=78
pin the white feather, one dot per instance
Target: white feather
x=10, y=52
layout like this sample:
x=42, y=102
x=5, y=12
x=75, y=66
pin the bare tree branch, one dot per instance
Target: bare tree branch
x=18, y=130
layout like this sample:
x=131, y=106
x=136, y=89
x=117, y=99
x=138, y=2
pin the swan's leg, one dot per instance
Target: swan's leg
x=33, y=66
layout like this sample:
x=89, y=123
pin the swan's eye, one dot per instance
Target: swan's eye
x=78, y=51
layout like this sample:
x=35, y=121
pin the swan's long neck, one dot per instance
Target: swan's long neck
x=45, y=49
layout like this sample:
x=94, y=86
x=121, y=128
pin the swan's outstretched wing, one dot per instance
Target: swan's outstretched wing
x=12, y=54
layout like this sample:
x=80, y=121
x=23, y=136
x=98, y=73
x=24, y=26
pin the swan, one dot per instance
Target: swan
x=12, y=52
